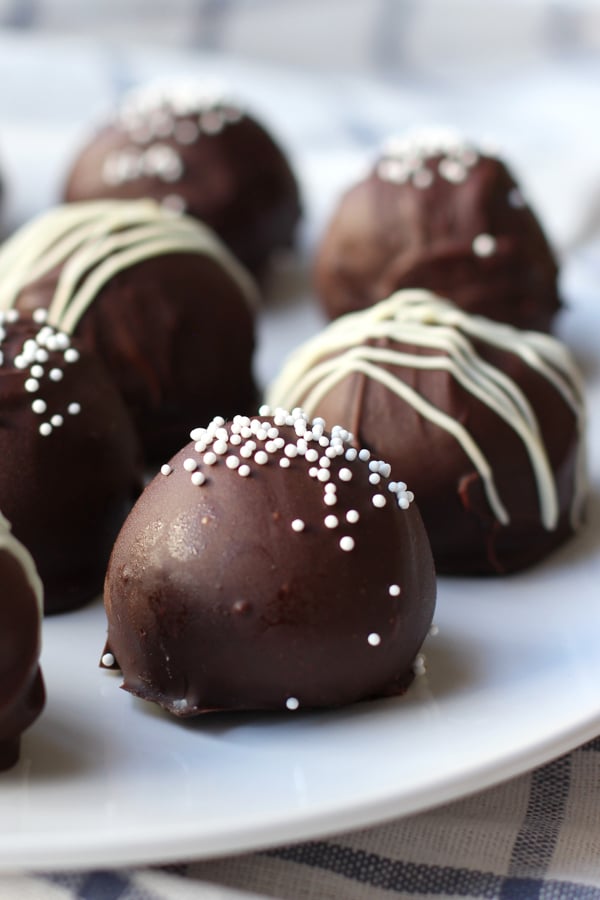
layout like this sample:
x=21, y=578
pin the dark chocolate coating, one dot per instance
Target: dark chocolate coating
x=68, y=492
x=466, y=537
x=385, y=236
x=176, y=332
x=214, y=602
x=22, y=694
x=238, y=181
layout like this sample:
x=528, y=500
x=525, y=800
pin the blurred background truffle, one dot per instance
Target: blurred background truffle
x=437, y=212
x=196, y=151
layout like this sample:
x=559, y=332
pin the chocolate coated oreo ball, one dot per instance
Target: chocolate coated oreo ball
x=197, y=152
x=269, y=565
x=435, y=212
x=71, y=466
x=156, y=295
x=22, y=694
x=486, y=422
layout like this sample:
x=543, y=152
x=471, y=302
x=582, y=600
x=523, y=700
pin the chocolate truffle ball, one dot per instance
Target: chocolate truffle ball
x=200, y=153
x=484, y=421
x=269, y=565
x=156, y=295
x=70, y=461
x=22, y=692
x=437, y=213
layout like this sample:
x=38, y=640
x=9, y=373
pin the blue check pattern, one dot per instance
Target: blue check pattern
x=542, y=842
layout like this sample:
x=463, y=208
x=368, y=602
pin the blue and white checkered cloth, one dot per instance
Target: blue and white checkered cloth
x=537, y=836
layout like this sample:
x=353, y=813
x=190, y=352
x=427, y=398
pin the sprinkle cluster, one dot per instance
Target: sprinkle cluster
x=35, y=362
x=156, y=114
x=405, y=159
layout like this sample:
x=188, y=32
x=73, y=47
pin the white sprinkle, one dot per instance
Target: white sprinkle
x=351, y=454
x=419, y=667
x=484, y=245
x=330, y=488
x=39, y=406
x=331, y=522
x=189, y=464
x=220, y=447
x=352, y=516
x=74, y=409
x=198, y=478
x=347, y=543
x=330, y=500
x=57, y=420
x=374, y=639
x=345, y=475
x=244, y=471
x=374, y=478
x=324, y=462
x=209, y=458
x=364, y=455
x=311, y=455
x=218, y=421
x=284, y=462
x=36, y=371
x=452, y=170
x=323, y=475
x=108, y=660
x=196, y=434
x=261, y=458
x=61, y=341
x=378, y=500
x=11, y=315
x=235, y=440
x=45, y=429
x=166, y=469
x=422, y=178
x=39, y=315
x=32, y=385
x=292, y=703
x=71, y=355
x=291, y=450
x=298, y=525
x=55, y=374
x=394, y=590
x=41, y=355
x=232, y=462
x=332, y=451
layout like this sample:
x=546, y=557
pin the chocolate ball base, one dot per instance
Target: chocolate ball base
x=22, y=694
x=214, y=602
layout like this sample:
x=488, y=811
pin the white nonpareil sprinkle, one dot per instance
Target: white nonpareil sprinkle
x=220, y=447
x=352, y=516
x=345, y=475
x=71, y=355
x=374, y=639
x=55, y=374
x=347, y=543
x=74, y=409
x=166, y=469
x=394, y=590
x=244, y=471
x=323, y=475
x=39, y=315
x=292, y=703
x=189, y=464
x=261, y=458
x=108, y=660
x=232, y=462
x=378, y=500
x=57, y=420
x=331, y=521
x=36, y=371
x=39, y=406
x=374, y=478
x=484, y=245
x=32, y=385
x=298, y=525
x=284, y=462
x=330, y=499
x=45, y=429
x=209, y=458
x=364, y=455
x=198, y=478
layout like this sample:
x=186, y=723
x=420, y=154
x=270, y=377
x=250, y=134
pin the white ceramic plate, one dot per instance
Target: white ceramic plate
x=513, y=676
x=513, y=680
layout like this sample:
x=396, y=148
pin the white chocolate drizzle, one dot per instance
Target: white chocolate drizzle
x=93, y=242
x=417, y=317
